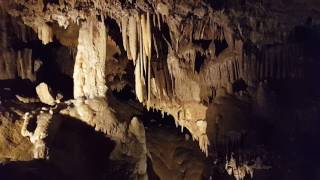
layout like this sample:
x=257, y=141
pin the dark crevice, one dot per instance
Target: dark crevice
x=50, y=73
x=218, y=4
x=202, y=43
x=89, y=153
x=114, y=30
x=198, y=62
x=50, y=2
x=165, y=31
x=9, y=88
x=239, y=85
x=220, y=46
x=125, y=94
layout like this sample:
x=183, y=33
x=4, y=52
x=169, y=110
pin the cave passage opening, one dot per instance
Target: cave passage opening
x=50, y=71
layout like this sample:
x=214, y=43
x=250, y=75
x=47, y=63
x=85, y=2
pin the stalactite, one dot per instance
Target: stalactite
x=234, y=70
x=144, y=40
x=154, y=20
x=237, y=70
x=25, y=65
x=3, y=29
x=261, y=61
x=228, y=73
x=158, y=21
x=89, y=70
x=132, y=31
x=203, y=138
x=155, y=46
x=8, y=67
x=140, y=58
x=149, y=82
x=45, y=33
x=149, y=36
x=138, y=82
x=124, y=28
x=139, y=32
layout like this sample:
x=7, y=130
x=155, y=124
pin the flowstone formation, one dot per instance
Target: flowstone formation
x=89, y=68
x=219, y=69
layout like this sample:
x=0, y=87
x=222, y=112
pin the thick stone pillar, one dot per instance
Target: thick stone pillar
x=89, y=69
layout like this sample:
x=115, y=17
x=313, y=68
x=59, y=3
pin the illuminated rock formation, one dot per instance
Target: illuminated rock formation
x=89, y=68
x=217, y=69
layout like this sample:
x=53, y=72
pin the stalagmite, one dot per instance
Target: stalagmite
x=89, y=69
x=137, y=129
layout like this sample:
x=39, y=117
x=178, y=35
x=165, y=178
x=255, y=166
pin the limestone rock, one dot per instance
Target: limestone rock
x=42, y=136
x=13, y=145
x=44, y=94
x=89, y=68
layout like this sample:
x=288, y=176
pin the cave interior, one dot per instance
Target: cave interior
x=159, y=89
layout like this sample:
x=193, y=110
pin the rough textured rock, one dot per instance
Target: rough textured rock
x=179, y=159
x=13, y=146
